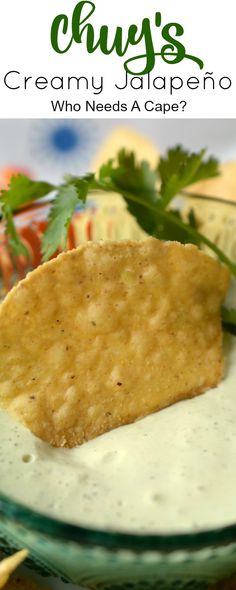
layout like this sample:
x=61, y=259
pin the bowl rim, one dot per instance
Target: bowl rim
x=60, y=530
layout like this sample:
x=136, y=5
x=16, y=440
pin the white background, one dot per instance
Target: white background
x=25, y=46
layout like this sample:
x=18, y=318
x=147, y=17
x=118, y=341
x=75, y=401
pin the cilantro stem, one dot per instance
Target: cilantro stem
x=210, y=199
x=168, y=216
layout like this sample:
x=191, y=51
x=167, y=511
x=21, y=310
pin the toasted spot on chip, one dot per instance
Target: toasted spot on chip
x=80, y=366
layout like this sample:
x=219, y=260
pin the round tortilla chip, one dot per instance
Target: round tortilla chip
x=108, y=333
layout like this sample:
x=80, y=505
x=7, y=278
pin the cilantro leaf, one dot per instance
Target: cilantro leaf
x=23, y=190
x=179, y=169
x=60, y=216
x=82, y=185
x=17, y=246
x=59, y=219
x=146, y=218
x=69, y=195
x=129, y=178
x=144, y=202
x=168, y=227
x=207, y=169
x=175, y=160
x=136, y=182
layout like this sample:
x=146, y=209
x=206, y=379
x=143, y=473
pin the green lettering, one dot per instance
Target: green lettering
x=117, y=44
x=55, y=30
x=173, y=52
x=148, y=56
x=78, y=20
x=168, y=51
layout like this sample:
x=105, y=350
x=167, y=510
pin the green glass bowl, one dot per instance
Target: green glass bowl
x=105, y=560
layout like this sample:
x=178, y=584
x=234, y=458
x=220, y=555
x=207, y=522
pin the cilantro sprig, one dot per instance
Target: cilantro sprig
x=148, y=194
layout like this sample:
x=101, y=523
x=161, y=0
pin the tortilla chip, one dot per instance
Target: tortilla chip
x=10, y=564
x=222, y=186
x=109, y=333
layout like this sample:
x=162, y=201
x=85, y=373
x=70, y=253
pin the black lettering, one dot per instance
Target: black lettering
x=7, y=82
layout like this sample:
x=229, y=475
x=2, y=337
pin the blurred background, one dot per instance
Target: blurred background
x=49, y=148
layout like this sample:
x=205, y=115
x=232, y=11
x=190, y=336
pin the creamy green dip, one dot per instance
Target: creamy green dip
x=173, y=471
